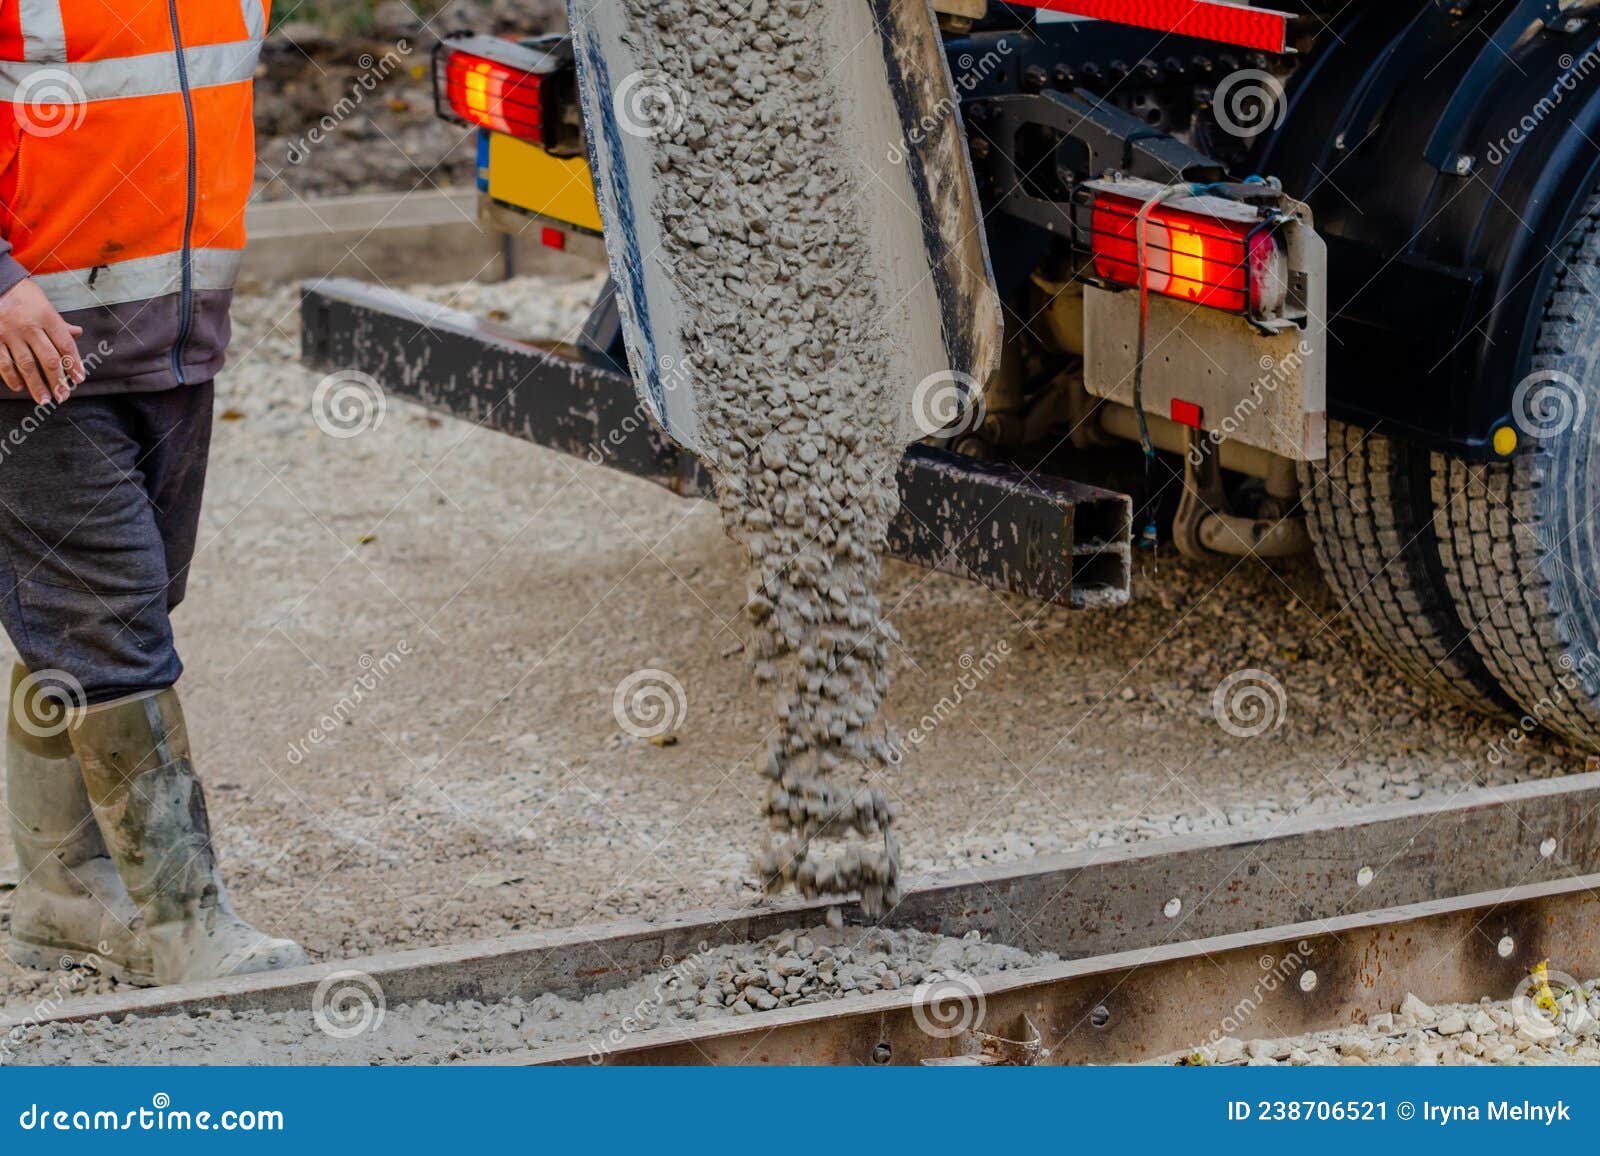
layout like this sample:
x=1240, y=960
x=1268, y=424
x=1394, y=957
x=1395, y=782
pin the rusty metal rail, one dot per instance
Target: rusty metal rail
x=1136, y=1005
x=1163, y=941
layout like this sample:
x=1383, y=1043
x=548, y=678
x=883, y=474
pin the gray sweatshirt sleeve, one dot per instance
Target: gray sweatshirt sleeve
x=11, y=273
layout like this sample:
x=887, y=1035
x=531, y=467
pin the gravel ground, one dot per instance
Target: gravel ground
x=344, y=96
x=483, y=784
x=350, y=1025
x=1563, y=1027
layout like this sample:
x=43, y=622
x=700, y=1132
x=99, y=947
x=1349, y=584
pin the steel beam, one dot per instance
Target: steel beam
x=1034, y=535
x=1137, y=1005
x=1086, y=904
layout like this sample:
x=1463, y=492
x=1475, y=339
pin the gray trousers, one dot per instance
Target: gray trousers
x=99, y=512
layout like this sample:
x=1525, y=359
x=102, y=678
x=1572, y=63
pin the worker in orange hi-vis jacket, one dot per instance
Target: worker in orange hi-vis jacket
x=126, y=160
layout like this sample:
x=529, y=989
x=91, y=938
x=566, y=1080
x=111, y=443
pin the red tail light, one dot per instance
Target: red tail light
x=1226, y=264
x=495, y=96
x=1230, y=23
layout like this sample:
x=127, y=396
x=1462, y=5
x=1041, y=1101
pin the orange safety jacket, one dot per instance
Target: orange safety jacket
x=126, y=161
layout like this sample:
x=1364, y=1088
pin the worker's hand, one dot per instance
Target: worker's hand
x=38, y=353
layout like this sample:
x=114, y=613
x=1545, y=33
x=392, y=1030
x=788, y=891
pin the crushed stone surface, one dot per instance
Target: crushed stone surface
x=350, y=1025
x=484, y=786
x=1556, y=1021
x=763, y=238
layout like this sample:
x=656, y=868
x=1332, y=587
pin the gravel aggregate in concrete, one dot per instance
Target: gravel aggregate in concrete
x=351, y=1025
x=1554, y=1023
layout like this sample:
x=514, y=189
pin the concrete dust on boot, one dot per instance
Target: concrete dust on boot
x=787, y=970
x=781, y=308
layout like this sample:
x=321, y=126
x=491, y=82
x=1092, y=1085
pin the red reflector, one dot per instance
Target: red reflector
x=491, y=95
x=553, y=238
x=1190, y=256
x=1203, y=19
x=1186, y=413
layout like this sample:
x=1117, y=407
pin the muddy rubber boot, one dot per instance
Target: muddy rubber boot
x=70, y=904
x=152, y=812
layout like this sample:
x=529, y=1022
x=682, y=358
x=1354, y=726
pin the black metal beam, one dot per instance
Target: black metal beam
x=1038, y=536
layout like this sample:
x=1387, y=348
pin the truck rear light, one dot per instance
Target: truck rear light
x=492, y=95
x=1235, y=265
x=1225, y=22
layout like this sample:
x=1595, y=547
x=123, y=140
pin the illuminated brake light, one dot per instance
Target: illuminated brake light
x=1224, y=264
x=494, y=96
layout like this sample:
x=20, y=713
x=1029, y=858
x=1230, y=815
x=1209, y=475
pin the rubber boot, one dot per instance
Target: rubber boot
x=152, y=812
x=70, y=905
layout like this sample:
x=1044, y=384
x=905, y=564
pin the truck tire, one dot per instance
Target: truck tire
x=1368, y=511
x=1518, y=539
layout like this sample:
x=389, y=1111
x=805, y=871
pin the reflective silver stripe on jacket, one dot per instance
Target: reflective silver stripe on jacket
x=255, y=18
x=141, y=279
x=152, y=74
x=44, y=39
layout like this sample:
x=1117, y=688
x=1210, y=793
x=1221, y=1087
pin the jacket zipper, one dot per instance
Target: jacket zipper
x=186, y=304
